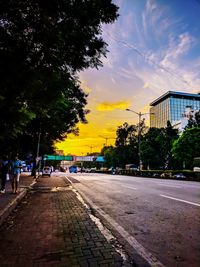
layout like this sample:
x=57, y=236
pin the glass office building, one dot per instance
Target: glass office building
x=171, y=106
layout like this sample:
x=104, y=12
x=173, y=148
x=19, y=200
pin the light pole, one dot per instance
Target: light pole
x=139, y=133
x=106, y=138
x=38, y=152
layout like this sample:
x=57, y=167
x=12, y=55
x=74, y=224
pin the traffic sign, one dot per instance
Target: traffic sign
x=58, y=157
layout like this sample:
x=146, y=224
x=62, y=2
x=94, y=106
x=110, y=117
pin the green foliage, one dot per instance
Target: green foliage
x=43, y=46
x=110, y=156
x=187, y=147
x=194, y=122
x=156, y=147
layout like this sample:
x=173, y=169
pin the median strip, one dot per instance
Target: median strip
x=181, y=200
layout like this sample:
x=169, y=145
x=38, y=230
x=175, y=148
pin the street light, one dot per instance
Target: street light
x=38, y=153
x=139, y=132
x=106, y=138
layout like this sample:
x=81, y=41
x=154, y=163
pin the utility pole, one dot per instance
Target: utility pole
x=139, y=133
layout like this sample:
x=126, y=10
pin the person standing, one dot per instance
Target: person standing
x=16, y=166
x=4, y=173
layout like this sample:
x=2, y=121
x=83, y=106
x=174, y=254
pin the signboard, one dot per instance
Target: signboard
x=100, y=159
x=90, y=158
x=75, y=158
x=86, y=158
x=58, y=157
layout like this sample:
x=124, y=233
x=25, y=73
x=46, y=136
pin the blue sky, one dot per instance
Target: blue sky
x=154, y=47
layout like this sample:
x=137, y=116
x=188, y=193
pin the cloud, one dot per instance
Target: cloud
x=177, y=48
x=85, y=87
x=109, y=106
x=146, y=85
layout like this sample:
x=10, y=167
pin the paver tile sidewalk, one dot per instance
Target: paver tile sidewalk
x=7, y=198
x=51, y=227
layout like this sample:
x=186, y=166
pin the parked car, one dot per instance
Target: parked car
x=118, y=170
x=156, y=175
x=46, y=171
x=179, y=176
x=131, y=167
x=86, y=170
x=166, y=175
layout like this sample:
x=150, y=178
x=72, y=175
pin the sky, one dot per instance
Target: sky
x=154, y=47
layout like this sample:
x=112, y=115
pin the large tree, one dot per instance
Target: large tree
x=44, y=44
x=127, y=143
x=187, y=147
x=156, y=147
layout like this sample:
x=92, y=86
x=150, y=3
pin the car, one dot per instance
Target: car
x=156, y=175
x=46, y=171
x=87, y=169
x=166, y=175
x=73, y=169
x=131, y=167
x=179, y=176
x=118, y=170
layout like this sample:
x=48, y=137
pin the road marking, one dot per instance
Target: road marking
x=181, y=200
x=176, y=186
x=129, y=187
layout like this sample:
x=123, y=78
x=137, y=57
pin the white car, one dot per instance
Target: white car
x=179, y=176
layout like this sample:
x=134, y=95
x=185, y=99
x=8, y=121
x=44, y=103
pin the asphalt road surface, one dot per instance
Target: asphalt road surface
x=159, y=218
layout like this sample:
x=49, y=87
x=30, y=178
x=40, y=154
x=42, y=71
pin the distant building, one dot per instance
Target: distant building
x=176, y=107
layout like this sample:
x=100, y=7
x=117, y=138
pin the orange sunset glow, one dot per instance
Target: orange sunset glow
x=144, y=61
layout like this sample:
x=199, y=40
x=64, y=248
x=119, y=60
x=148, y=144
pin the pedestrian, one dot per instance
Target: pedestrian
x=16, y=166
x=4, y=173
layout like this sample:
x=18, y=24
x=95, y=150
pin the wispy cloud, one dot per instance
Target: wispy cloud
x=85, y=87
x=109, y=106
x=181, y=47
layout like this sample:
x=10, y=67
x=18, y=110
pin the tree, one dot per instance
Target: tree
x=127, y=144
x=156, y=147
x=110, y=156
x=194, y=121
x=151, y=149
x=43, y=47
x=167, y=137
x=186, y=148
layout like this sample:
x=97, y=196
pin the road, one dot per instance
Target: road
x=158, y=217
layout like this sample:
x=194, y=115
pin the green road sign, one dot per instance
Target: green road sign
x=57, y=157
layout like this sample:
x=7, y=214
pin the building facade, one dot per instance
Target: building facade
x=172, y=106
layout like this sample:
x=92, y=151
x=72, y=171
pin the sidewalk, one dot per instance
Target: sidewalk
x=51, y=227
x=8, y=201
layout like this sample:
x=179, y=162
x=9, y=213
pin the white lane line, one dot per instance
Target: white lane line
x=169, y=185
x=181, y=200
x=179, y=184
x=129, y=187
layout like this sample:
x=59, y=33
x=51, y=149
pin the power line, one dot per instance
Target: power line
x=147, y=58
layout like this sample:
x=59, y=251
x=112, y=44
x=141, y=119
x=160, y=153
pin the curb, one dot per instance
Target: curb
x=11, y=206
